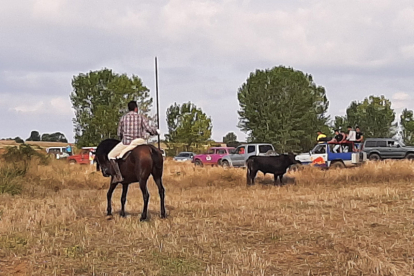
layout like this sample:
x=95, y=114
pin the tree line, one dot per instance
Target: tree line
x=280, y=105
x=46, y=137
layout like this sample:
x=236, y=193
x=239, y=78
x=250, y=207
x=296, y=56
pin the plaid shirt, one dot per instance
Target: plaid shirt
x=133, y=126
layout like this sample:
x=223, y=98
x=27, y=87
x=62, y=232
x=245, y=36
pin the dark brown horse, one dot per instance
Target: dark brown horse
x=136, y=166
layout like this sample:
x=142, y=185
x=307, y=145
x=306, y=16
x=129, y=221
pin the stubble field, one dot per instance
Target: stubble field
x=337, y=222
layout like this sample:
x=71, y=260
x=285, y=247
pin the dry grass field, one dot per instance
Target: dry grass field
x=337, y=222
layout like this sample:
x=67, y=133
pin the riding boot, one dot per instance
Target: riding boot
x=117, y=178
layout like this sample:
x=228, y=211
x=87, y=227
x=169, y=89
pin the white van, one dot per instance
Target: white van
x=57, y=152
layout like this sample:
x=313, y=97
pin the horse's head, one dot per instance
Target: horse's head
x=101, y=156
x=103, y=165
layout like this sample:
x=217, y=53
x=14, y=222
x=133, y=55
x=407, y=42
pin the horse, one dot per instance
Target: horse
x=136, y=166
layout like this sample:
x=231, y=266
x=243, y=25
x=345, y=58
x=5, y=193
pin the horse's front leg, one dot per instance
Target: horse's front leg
x=145, y=195
x=123, y=198
x=109, y=198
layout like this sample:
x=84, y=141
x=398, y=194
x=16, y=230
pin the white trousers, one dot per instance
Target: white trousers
x=119, y=150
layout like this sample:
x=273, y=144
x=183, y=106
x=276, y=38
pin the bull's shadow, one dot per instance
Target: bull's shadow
x=270, y=181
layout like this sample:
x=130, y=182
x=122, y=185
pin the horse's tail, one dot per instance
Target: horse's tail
x=156, y=157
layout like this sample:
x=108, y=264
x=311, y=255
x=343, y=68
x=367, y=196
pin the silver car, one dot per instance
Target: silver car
x=184, y=156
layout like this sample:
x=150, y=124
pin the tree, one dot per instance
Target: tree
x=54, y=137
x=284, y=107
x=340, y=122
x=19, y=140
x=230, y=137
x=373, y=115
x=188, y=125
x=407, y=125
x=100, y=98
x=34, y=136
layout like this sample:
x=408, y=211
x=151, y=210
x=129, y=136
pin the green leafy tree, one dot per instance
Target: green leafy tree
x=34, y=136
x=54, y=137
x=100, y=98
x=18, y=140
x=187, y=125
x=284, y=107
x=407, y=125
x=230, y=137
x=340, y=122
x=373, y=115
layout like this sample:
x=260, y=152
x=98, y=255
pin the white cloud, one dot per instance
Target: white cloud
x=400, y=96
x=38, y=107
x=32, y=105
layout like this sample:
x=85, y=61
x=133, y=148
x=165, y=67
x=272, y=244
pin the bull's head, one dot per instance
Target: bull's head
x=292, y=158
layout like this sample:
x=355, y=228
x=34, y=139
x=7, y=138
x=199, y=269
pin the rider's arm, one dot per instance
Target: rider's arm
x=147, y=127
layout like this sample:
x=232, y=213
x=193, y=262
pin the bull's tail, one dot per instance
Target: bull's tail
x=249, y=164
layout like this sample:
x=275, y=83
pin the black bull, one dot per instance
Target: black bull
x=143, y=161
x=276, y=165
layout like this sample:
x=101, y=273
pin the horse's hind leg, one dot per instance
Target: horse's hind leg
x=123, y=198
x=146, y=196
x=109, y=198
x=161, y=190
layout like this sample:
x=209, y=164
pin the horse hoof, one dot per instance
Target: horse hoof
x=109, y=217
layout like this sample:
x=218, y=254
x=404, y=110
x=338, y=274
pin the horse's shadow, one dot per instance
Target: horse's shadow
x=151, y=213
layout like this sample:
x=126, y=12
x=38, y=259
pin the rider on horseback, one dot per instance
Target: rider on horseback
x=131, y=129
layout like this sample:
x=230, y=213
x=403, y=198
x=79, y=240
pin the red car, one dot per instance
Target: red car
x=86, y=156
x=212, y=157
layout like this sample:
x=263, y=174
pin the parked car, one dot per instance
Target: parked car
x=386, y=148
x=213, y=156
x=86, y=156
x=57, y=152
x=184, y=156
x=333, y=155
x=244, y=151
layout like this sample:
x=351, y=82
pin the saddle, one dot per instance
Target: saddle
x=124, y=157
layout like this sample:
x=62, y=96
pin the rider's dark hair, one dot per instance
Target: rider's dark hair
x=132, y=105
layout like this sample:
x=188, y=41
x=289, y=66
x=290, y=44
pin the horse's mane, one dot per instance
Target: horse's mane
x=106, y=146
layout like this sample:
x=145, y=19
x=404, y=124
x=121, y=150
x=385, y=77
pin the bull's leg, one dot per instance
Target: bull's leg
x=252, y=176
x=161, y=191
x=281, y=179
x=249, y=182
x=275, y=179
x=123, y=199
x=146, y=196
x=109, y=197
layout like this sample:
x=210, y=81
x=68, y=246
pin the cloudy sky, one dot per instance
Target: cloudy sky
x=206, y=50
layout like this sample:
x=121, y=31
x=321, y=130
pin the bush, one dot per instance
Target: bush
x=10, y=180
x=23, y=154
